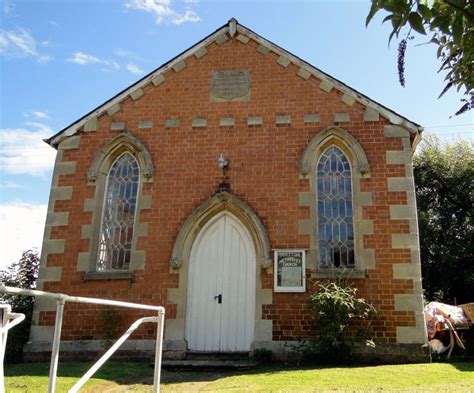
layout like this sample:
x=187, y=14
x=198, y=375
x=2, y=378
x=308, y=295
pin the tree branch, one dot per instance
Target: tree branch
x=463, y=10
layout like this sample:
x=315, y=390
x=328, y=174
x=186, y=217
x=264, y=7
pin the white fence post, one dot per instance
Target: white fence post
x=53, y=370
x=8, y=320
x=158, y=351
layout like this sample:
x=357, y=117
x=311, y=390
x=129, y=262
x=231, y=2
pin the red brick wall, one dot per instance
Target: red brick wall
x=263, y=172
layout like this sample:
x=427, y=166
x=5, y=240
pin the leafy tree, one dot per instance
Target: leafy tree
x=450, y=24
x=444, y=178
x=23, y=274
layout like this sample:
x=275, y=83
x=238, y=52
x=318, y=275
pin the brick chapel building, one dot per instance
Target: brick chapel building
x=222, y=185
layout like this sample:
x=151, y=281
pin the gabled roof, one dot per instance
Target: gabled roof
x=234, y=29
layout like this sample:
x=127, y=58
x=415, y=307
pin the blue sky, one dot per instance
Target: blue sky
x=61, y=58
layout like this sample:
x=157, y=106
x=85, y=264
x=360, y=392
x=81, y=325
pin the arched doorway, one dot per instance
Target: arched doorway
x=251, y=227
x=220, y=313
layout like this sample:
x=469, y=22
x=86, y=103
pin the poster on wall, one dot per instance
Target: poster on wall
x=289, y=271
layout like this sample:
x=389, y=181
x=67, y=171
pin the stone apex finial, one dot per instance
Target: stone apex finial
x=233, y=26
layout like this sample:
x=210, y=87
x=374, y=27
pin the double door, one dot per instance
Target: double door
x=221, y=287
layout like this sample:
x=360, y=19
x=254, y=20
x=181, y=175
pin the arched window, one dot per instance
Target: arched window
x=118, y=171
x=337, y=167
x=118, y=214
x=335, y=210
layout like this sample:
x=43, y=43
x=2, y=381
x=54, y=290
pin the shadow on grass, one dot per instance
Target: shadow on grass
x=120, y=372
x=273, y=369
x=213, y=375
x=464, y=366
x=462, y=360
x=130, y=373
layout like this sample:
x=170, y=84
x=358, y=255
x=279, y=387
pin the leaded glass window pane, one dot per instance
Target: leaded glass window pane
x=118, y=216
x=335, y=213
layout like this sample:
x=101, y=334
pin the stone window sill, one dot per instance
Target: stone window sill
x=335, y=273
x=111, y=275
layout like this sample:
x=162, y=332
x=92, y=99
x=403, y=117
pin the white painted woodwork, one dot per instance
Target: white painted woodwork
x=222, y=261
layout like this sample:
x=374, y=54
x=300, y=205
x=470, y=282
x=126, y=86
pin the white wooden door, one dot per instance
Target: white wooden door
x=222, y=262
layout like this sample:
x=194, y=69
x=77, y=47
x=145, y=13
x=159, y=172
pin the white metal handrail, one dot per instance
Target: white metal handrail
x=110, y=352
x=8, y=320
x=61, y=299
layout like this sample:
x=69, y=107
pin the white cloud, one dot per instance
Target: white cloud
x=110, y=65
x=21, y=229
x=23, y=41
x=163, y=11
x=82, y=58
x=126, y=53
x=18, y=44
x=130, y=56
x=40, y=115
x=22, y=150
x=10, y=184
x=188, y=16
x=44, y=59
x=134, y=69
x=3, y=43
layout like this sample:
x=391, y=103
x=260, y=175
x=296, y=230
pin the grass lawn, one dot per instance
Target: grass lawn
x=137, y=377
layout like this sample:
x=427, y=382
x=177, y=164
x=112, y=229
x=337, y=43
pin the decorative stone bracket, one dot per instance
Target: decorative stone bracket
x=176, y=263
x=265, y=263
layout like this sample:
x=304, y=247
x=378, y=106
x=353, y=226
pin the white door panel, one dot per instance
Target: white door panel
x=222, y=262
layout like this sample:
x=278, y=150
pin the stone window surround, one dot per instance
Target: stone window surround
x=360, y=169
x=97, y=176
x=224, y=201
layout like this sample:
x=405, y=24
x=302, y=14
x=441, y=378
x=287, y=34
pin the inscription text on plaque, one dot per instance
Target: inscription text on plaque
x=233, y=85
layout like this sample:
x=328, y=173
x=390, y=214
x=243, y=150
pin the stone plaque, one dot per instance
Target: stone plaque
x=233, y=85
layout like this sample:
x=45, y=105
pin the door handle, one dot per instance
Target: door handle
x=219, y=298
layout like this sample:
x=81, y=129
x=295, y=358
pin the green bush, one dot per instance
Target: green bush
x=334, y=305
x=21, y=274
x=444, y=179
x=111, y=322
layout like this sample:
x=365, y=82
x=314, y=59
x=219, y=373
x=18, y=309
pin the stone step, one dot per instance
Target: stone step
x=236, y=356
x=208, y=364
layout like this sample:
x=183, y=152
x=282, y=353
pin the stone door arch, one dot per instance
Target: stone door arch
x=221, y=202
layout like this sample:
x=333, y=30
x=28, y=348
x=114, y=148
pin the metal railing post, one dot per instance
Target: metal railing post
x=13, y=319
x=53, y=370
x=8, y=320
x=3, y=338
x=158, y=351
